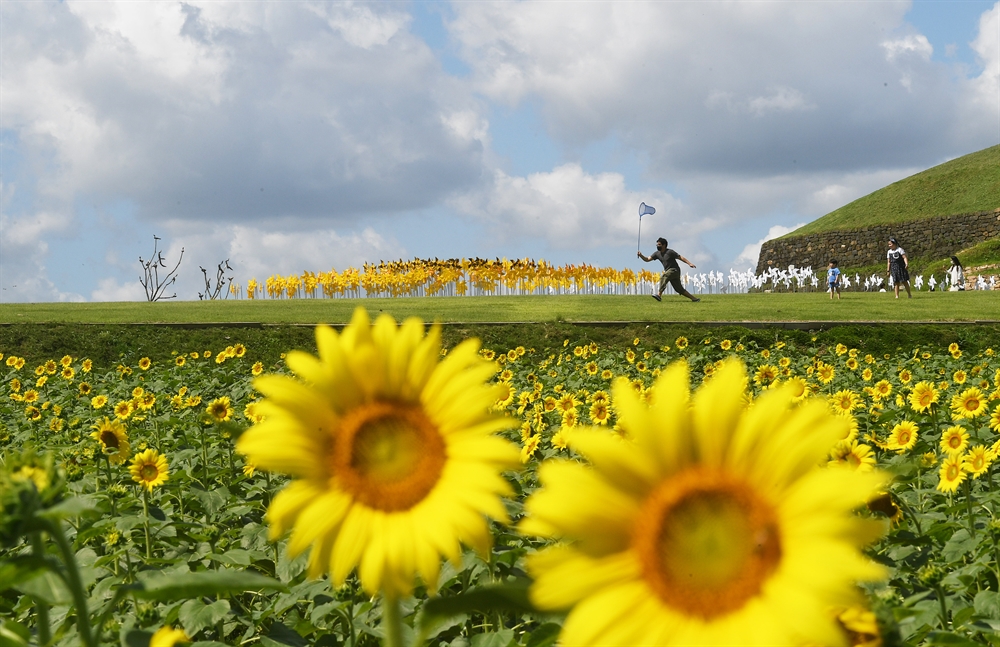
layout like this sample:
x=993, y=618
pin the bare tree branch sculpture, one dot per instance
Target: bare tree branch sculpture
x=151, y=282
x=212, y=293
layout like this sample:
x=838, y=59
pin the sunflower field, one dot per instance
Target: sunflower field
x=390, y=491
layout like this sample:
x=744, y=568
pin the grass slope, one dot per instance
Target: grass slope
x=962, y=185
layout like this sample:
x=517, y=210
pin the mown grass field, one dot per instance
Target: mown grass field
x=731, y=308
x=113, y=332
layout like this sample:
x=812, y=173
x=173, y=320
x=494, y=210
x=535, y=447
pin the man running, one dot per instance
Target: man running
x=671, y=270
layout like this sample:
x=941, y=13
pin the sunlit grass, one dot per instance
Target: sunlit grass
x=736, y=308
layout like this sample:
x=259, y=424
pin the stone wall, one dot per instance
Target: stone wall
x=939, y=237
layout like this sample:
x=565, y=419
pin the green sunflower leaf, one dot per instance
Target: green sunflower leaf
x=181, y=586
x=510, y=596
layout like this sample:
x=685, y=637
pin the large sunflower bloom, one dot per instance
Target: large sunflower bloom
x=114, y=441
x=149, y=469
x=220, y=409
x=903, y=436
x=923, y=396
x=968, y=404
x=393, y=453
x=952, y=473
x=955, y=439
x=714, y=526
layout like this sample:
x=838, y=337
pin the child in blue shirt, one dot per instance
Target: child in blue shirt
x=833, y=278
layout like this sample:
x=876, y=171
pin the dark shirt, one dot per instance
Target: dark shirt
x=669, y=259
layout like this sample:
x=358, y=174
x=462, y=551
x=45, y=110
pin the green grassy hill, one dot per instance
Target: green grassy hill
x=963, y=185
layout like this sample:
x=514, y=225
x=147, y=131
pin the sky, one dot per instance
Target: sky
x=290, y=136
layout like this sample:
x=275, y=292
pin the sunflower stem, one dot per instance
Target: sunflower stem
x=42, y=609
x=204, y=455
x=944, y=607
x=145, y=523
x=968, y=505
x=74, y=583
x=392, y=620
x=111, y=496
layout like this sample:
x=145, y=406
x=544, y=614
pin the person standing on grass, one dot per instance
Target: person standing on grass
x=898, y=267
x=671, y=270
x=833, y=278
x=956, y=275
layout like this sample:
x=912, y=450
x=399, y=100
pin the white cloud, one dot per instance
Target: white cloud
x=802, y=86
x=109, y=289
x=359, y=25
x=987, y=48
x=748, y=257
x=916, y=44
x=779, y=99
x=566, y=207
x=229, y=111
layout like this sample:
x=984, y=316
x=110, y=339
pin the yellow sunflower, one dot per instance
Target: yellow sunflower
x=98, y=401
x=977, y=461
x=825, y=373
x=855, y=455
x=725, y=344
x=149, y=469
x=712, y=527
x=903, y=436
x=392, y=452
x=124, y=409
x=844, y=402
x=951, y=473
x=114, y=440
x=180, y=360
x=923, y=396
x=954, y=440
x=256, y=369
x=970, y=403
x=599, y=413
x=529, y=448
x=798, y=387
x=765, y=374
x=220, y=409
x=681, y=342
x=145, y=363
x=167, y=636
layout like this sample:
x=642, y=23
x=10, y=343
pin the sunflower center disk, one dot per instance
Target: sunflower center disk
x=707, y=543
x=149, y=472
x=388, y=456
x=110, y=440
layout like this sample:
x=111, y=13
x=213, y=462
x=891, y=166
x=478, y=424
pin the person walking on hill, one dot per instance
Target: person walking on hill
x=956, y=275
x=671, y=270
x=897, y=267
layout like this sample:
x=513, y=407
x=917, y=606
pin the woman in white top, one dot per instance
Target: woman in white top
x=897, y=266
x=957, y=275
